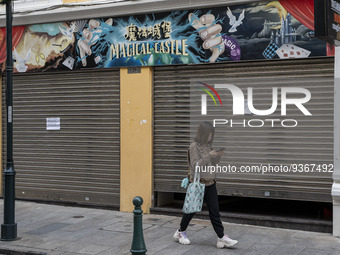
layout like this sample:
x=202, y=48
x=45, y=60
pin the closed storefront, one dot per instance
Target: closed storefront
x=108, y=98
x=67, y=136
x=309, y=145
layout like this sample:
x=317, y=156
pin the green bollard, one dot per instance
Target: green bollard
x=138, y=244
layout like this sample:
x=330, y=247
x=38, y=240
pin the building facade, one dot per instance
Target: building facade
x=107, y=99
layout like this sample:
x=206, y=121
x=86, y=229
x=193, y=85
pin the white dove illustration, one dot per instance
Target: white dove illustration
x=233, y=22
x=20, y=62
x=69, y=31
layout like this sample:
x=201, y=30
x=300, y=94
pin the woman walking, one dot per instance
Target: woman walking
x=200, y=152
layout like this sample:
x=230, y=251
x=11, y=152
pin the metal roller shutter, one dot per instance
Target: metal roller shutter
x=312, y=142
x=81, y=161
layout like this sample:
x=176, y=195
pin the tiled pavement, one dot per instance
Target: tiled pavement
x=54, y=229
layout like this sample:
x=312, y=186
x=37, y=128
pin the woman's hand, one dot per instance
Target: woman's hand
x=214, y=153
x=220, y=153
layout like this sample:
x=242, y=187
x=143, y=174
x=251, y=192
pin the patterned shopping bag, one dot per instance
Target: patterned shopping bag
x=195, y=194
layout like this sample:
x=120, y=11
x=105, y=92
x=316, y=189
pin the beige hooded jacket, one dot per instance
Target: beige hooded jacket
x=200, y=153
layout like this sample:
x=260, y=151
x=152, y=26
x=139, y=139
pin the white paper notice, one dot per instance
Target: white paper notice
x=52, y=123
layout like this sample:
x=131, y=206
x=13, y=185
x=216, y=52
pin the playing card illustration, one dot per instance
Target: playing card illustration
x=270, y=51
x=69, y=62
x=292, y=51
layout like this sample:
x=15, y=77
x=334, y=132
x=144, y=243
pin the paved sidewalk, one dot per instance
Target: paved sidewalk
x=53, y=229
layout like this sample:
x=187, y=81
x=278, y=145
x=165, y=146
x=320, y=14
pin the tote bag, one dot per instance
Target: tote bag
x=194, y=197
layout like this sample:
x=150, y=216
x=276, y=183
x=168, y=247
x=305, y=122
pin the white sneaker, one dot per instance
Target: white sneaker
x=226, y=242
x=181, y=237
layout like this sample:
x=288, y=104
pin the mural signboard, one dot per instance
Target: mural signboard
x=247, y=32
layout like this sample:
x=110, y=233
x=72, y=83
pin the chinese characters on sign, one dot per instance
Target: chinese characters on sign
x=149, y=40
x=157, y=32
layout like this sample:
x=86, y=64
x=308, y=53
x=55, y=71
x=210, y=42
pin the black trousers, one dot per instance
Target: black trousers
x=211, y=199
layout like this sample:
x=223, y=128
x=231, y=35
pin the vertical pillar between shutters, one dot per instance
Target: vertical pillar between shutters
x=136, y=108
